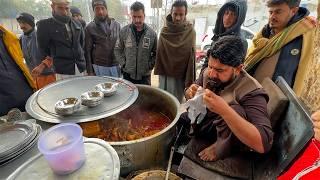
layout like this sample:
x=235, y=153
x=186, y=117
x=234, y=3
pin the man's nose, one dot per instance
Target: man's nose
x=137, y=20
x=213, y=74
x=66, y=12
x=228, y=16
x=272, y=15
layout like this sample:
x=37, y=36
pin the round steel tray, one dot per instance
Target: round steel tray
x=41, y=104
x=102, y=162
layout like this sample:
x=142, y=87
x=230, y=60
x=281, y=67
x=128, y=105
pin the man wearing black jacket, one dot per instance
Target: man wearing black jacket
x=62, y=38
x=101, y=36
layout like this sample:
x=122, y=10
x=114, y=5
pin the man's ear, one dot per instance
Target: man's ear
x=239, y=68
x=294, y=10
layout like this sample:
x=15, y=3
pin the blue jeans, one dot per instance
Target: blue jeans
x=113, y=71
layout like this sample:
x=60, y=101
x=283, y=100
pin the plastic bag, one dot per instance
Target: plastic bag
x=196, y=108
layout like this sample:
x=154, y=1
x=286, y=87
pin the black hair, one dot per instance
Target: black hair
x=137, y=6
x=230, y=7
x=229, y=50
x=180, y=3
x=291, y=3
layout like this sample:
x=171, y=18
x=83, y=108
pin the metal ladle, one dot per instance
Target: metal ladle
x=173, y=148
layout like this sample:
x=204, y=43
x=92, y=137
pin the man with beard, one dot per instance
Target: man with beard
x=229, y=20
x=236, y=122
x=41, y=70
x=101, y=35
x=62, y=38
x=16, y=83
x=284, y=46
x=136, y=47
x=175, y=62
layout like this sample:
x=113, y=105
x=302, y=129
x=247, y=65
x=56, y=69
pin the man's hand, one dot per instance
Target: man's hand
x=38, y=70
x=316, y=124
x=214, y=102
x=191, y=91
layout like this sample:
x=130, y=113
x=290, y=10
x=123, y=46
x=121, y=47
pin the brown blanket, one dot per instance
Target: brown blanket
x=176, y=51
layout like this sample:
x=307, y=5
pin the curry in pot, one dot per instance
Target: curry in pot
x=131, y=124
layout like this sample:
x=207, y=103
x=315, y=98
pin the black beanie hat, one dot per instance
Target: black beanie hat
x=99, y=2
x=75, y=10
x=26, y=18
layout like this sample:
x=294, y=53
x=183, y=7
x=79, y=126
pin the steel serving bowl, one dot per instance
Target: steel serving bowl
x=67, y=106
x=108, y=88
x=92, y=98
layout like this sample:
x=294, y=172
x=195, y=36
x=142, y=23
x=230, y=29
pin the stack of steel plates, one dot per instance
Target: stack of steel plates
x=16, y=138
x=102, y=162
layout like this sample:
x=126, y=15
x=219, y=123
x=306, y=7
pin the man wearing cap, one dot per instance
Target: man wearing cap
x=136, y=47
x=284, y=46
x=236, y=124
x=15, y=79
x=42, y=70
x=100, y=37
x=62, y=38
x=77, y=15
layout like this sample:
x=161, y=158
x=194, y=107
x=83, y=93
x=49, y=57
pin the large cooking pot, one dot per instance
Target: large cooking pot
x=151, y=151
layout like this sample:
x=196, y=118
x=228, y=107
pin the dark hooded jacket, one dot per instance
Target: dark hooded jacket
x=240, y=7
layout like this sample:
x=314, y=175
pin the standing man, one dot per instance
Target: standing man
x=176, y=52
x=101, y=35
x=15, y=79
x=229, y=21
x=77, y=15
x=41, y=70
x=136, y=48
x=284, y=46
x=62, y=38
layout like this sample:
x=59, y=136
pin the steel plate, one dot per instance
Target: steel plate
x=41, y=104
x=24, y=149
x=102, y=162
x=13, y=135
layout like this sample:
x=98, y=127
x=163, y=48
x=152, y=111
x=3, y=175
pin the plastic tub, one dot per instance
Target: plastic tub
x=63, y=148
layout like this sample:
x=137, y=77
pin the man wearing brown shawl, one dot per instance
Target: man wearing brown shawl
x=175, y=62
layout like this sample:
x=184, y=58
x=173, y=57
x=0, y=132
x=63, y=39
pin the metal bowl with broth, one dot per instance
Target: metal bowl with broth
x=108, y=88
x=91, y=98
x=67, y=106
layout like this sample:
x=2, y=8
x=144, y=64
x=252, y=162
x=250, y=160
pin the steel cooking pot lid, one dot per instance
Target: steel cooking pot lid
x=102, y=162
x=14, y=135
x=41, y=105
